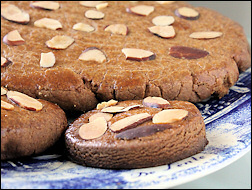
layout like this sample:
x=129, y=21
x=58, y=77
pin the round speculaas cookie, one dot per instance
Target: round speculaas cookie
x=76, y=82
x=27, y=132
x=145, y=141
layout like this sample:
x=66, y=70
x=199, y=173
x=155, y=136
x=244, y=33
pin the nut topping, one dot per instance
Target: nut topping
x=47, y=59
x=101, y=6
x=163, y=20
x=120, y=29
x=106, y=104
x=130, y=122
x=205, y=35
x=169, y=116
x=6, y=106
x=156, y=102
x=141, y=10
x=4, y=62
x=60, y=42
x=83, y=27
x=14, y=14
x=95, y=15
x=187, y=13
x=48, y=23
x=183, y=52
x=93, y=54
x=93, y=129
x=24, y=101
x=46, y=5
x=113, y=109
x=90, y=3
x=138, y=54
x=106, y=116
x=3, y=91
x=13, y=38
x=163, y=31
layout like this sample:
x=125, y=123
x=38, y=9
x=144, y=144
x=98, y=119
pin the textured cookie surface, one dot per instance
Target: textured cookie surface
x=25, y=132
x=146, y=142
x=74, y=82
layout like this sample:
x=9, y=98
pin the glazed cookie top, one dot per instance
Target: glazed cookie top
x=115, y=123
x=120, y=50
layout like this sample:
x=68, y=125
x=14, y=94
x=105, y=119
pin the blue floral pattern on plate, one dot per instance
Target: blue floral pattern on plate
x=228, y=126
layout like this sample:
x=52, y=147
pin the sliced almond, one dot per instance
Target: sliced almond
x=156, y=102
x=205, y=35
x=101, y=6
x=6, y=106
x=106, y=116
x=3, y=91
x=47, y=59
x=5, y=62
x=93, y=54
x=138, y=54
x=131, y=107
x=83, y=27
x=187, y=13
x=113, y=109
x=163, y=31
x=48, y=23
x=130, y=122
x=25, y=101
x=106, y=104
x=60, y=42
x=13, y=38
x=90, y=3
x=46, y=5
x=94, y=129
x=163, y=20
x=165, y=2
x=120, y=29
x=141, y=10
x=95, y=15
x=169, y=116
x=14, y=14
x=183, y=52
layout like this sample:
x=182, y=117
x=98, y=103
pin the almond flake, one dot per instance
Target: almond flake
x=156, y=102
x=169, y=116
x=47, y=5
x=142, y=10
x=13, y=38
x=113, y=109
x=48, y=23
x=184, y=52
x=163, y=31
x=187, y=13
x=106, y=116
x=138, y=54
x=205, y=35
x=163, y=20
x=130, y=122
x=4, y=62
x=14, y=14
x=24, y=101
x=106, y=104
x=90, y=4
x=6, y=106
x=101, y=6
x=120, y=29
x=60, y=42
x=83, y=27
x=3, y=91
x=47, y=59
x=95, y=15
x=93, y=54
x=94, y=129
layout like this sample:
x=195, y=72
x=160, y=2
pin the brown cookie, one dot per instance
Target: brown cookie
x=120, y=50
x=136, y=134
x=28, y=126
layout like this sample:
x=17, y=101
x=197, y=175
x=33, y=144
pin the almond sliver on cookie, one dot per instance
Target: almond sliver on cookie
x=205, y=35
x=24, y=101
x=6, y=106
x=169, y=116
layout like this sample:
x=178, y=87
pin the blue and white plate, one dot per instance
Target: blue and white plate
x=228, y=128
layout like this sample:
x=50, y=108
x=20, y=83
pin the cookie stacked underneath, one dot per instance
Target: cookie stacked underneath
x=136, y=134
